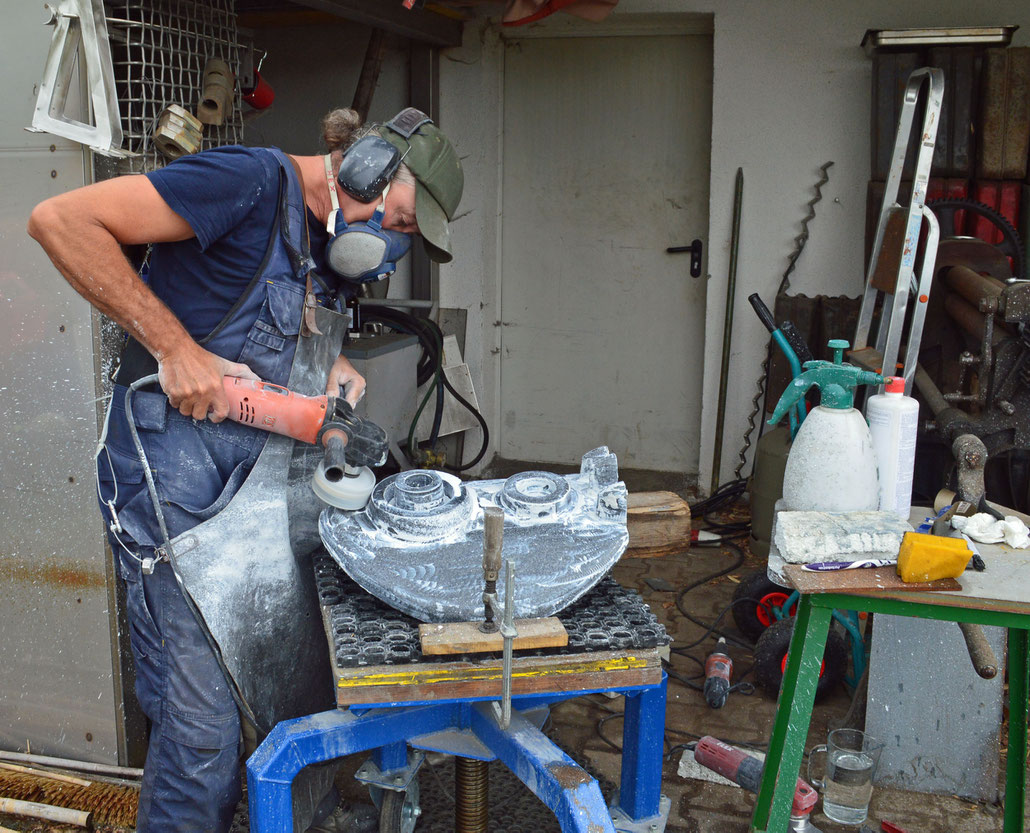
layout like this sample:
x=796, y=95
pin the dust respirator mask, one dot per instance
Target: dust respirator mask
x=362, y=251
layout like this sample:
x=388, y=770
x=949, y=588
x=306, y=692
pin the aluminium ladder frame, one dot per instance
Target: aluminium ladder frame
x=892, y=316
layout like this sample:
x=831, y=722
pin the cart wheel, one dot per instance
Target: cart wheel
x=399, y=811
x=753, y=617
x=771, y=659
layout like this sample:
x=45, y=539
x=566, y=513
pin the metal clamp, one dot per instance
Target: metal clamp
x=508, y=632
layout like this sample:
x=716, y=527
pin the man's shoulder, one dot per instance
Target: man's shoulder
x=232, y=160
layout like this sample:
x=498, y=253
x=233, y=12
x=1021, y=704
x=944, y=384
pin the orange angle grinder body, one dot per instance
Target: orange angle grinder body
x=351, y=443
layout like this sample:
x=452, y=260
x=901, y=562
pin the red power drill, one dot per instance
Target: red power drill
x=746, y=770
x=718, y=671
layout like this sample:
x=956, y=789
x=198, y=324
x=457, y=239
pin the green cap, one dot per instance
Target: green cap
x=438, y=176
x=836, y=380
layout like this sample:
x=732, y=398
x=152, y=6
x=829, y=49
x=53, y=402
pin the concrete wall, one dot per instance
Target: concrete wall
x=791, y=91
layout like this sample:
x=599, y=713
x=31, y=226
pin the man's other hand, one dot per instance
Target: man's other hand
x=344, y=377
x=192, y=380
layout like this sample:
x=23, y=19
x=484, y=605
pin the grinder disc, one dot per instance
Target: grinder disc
x=348, y=492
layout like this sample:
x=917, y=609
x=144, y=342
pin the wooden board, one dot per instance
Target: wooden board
x=416, y=682
x=863, y=580
x=467, y=638
x=658, y=524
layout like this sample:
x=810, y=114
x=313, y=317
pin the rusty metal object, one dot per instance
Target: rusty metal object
x=980, y=652
x=219, y=81
x=975, y=254
x=1005, y=121
x=471, y=795
x=885, y=274
x=369, y=77
x=969, y=318
x=972, y=286
x=178, y=132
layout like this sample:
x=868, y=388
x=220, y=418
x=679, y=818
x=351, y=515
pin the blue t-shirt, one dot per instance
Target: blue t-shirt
x=230, y=198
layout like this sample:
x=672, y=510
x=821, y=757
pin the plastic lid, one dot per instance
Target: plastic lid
x=895, y=384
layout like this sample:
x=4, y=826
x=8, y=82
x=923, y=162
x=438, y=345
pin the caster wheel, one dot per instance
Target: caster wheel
x=771, y=659
x=399, y=811
x=752, y=618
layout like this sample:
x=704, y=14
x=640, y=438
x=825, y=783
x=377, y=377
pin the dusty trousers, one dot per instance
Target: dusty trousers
x=191, y=779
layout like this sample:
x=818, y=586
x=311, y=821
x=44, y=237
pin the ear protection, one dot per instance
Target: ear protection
x=367, y=167
x=370, y=163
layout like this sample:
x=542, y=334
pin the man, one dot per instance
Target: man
x=233, y=231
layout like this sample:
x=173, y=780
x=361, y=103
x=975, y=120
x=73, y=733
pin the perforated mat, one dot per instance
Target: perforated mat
x=365, y=631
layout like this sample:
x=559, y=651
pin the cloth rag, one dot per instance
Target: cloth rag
x=989, y=530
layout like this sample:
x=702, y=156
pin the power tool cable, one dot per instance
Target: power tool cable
x=430, y=337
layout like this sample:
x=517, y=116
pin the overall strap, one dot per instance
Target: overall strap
x=308, y=326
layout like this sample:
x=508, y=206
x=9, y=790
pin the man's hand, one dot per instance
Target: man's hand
x=344, y=376
x=192, y=380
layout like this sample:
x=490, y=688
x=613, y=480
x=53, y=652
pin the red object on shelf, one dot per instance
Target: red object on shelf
x=938, y=188
x=1003, y=197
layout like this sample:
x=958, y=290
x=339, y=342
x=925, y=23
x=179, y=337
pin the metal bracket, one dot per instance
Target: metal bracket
x=75, y=22
x=653, y=824
x=396, y=779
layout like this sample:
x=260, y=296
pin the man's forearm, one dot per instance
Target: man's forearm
x=93, y=263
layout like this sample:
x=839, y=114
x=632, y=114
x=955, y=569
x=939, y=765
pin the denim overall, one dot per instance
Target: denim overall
x=192, y=779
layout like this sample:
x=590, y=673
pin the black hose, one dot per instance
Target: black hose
x=430, y=336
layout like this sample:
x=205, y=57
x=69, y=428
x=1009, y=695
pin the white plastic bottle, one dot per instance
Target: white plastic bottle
x=893, y=421
x=831, y=466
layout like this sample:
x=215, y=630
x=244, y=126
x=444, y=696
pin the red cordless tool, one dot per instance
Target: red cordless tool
x=718, y=672
x=351, y=443
x=746, y=770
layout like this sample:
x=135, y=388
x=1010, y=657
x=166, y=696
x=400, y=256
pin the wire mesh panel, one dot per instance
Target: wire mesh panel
x=159, y=49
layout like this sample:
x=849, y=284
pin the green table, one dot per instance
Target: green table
x=1000, y=596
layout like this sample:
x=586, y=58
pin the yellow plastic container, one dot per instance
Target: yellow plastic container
x=930, y=557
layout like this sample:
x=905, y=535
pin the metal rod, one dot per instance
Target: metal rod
x=471, y=796
x=727, y=328
x=78, y=766
x=36, y=810
x=412, y=303
x=369, y=77
x=508, y=631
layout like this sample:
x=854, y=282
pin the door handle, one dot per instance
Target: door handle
x=695, y=249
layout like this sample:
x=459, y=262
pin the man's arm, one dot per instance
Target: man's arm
x=82, y=232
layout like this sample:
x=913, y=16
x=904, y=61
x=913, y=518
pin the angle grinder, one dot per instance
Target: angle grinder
x=352, y=444
x=746, y=770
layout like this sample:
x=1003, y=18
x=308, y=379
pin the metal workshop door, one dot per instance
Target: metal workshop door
x=606, y=164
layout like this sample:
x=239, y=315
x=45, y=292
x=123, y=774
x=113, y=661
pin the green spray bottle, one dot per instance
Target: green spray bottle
x=831, y=466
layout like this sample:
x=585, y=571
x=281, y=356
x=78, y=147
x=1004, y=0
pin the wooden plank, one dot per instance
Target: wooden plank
x=568, y=672
x=467, y=638
x=658, y=524
x=587, y=681
x=863, y=580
